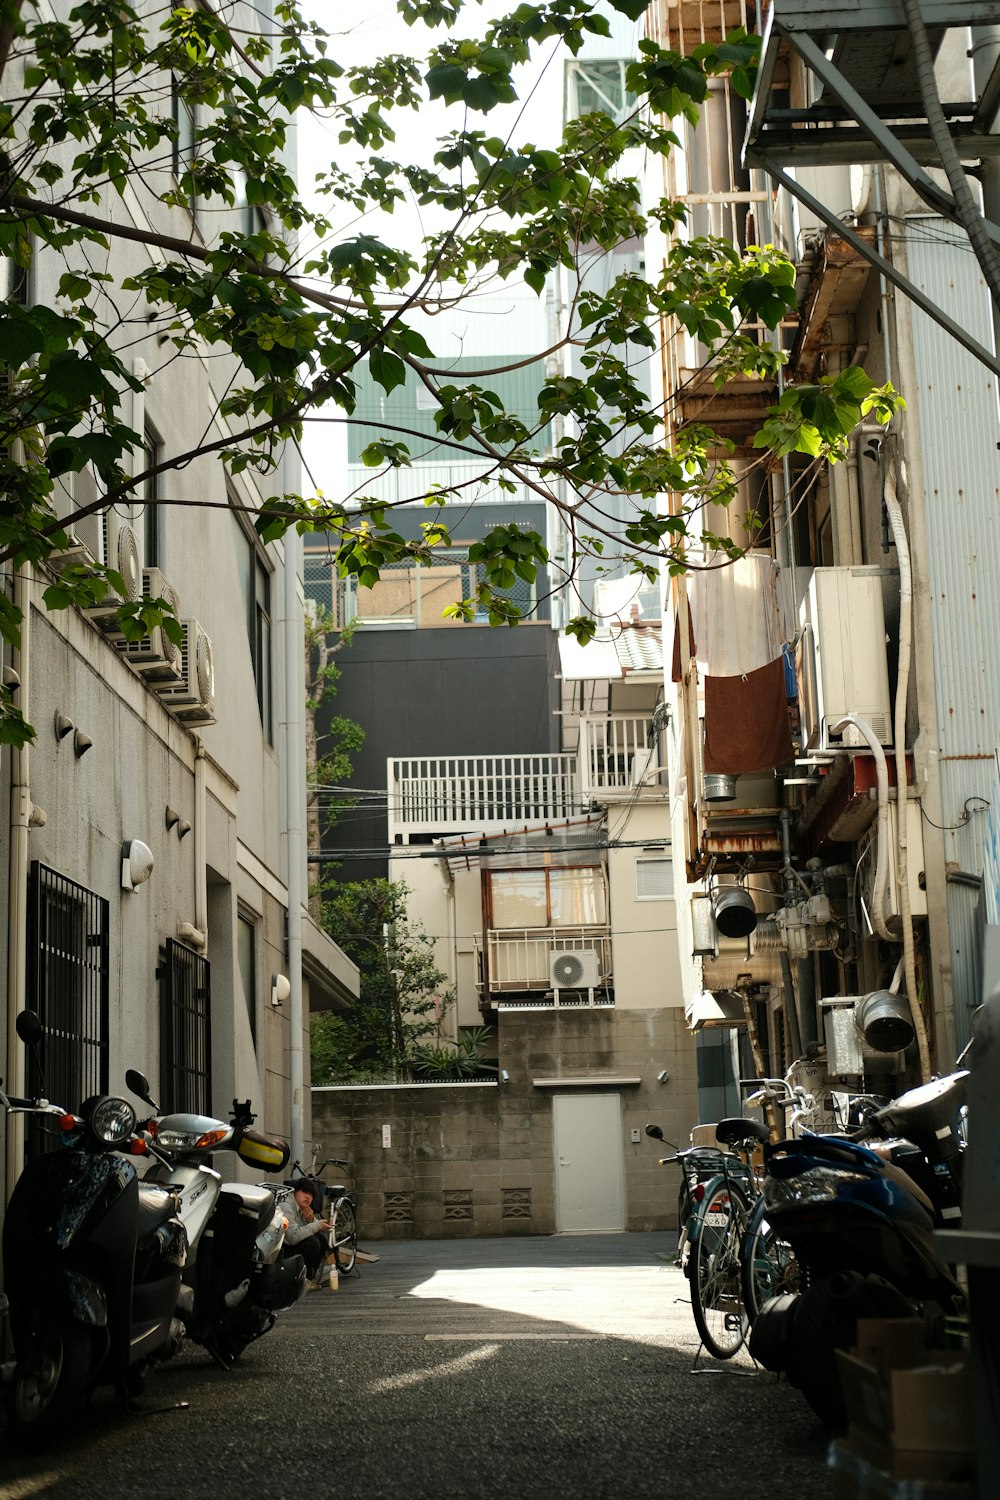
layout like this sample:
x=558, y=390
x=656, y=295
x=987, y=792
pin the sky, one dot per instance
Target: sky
x=365, y=29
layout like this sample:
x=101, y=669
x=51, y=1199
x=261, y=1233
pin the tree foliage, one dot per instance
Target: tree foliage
x=403, y=994
x=94, y=97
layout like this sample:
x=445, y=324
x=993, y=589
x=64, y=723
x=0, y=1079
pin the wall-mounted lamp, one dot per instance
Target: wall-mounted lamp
x=281, y=988
x=81, y=743
x=504, y=1076
x=137, y=863
x=63, y=726
x=662, y=1076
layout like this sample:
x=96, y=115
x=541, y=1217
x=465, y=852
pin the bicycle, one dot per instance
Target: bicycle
x=339, y=1207
x=713, y=1208
x=768, y=1266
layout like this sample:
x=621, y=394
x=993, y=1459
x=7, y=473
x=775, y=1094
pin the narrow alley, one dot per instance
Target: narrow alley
x=537, y=1367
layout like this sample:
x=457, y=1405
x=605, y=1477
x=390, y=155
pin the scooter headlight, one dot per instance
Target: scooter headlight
x=817, y=1185
x=112, y=1121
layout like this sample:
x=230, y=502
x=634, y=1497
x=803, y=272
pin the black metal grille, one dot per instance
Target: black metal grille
x=68, y=988
x=186, y=1036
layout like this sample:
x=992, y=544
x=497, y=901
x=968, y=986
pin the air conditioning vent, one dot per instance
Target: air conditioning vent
x=572, y=969
x=842, y=663
x=192, y=699
x=156, y=656
x=120, y=549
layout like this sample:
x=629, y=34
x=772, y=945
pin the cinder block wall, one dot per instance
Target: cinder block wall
x=478, y=1159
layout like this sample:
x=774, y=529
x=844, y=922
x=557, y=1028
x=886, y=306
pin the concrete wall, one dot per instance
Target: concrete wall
x=478, y=1159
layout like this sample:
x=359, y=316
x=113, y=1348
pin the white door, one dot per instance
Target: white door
x=590, y=1189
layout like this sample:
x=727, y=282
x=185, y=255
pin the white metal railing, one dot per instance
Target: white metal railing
x=435, y=794
x=520, y=958
x=617, y=756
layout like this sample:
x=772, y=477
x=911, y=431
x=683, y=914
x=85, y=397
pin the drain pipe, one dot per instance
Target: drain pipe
x=895, y=515
x=195, y=934
x=790, y=879
x=295, y=762
x=21, y=820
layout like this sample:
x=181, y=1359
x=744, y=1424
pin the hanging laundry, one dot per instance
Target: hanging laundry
x=737, y=615
x=746, y=721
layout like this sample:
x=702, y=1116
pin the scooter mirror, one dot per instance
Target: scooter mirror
x=655, y=1132
x=29, y=1027
x=139, y=1084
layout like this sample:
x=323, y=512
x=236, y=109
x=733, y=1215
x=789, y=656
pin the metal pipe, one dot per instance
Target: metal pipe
x=17, y=885
x=295, y=760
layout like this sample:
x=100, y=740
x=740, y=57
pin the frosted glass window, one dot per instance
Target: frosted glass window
x=576, y=898
x=654, y=879
x=519, y=899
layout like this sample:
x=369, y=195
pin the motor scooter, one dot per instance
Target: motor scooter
x=92, y=1259
x=236, y=1279
x=860, y=1216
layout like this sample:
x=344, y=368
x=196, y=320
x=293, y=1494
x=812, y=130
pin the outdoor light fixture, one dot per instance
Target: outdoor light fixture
x=137, y=863
x=281, y=988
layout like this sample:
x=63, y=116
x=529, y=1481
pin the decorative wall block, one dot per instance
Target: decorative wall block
x=457, y=1203
x=399, y=1208
x=516, y=1203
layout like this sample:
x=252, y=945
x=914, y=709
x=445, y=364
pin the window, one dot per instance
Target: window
x=406, y=594
x=185, y=151
x=598, y=85
x=573, y=897
x=185, y=1031
x=246, y=958
x=654, y=878
x=255, y=582
x=68, y=988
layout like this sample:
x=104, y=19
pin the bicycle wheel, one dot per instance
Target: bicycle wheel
x=767, y=1263
x=344, y=1235
x=716, y=1291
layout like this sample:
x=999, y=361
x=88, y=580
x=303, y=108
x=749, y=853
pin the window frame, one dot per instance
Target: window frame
x=655, y=859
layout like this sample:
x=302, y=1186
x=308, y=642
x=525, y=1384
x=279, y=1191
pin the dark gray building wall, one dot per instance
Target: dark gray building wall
x=479, y=1160
x=461, y=690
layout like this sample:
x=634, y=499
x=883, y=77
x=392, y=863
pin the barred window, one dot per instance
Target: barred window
x=185, y=1032
x=68, y=988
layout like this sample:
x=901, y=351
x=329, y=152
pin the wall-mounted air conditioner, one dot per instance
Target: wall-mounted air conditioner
x=573, y=969
x=192, y=699
x=842, y=665
x=156, y=656
x=119, y=550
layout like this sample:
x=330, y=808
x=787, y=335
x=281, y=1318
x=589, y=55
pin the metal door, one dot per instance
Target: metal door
x=590, y=1188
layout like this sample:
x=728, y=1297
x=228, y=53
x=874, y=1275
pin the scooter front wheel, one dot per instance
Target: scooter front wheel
x=52, y=1378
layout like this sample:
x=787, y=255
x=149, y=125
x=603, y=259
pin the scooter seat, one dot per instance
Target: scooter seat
x=250, y=1201
x=156, y=1205
x=735, y=1131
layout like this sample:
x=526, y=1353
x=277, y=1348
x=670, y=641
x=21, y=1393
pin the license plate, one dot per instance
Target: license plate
x=717, y=1220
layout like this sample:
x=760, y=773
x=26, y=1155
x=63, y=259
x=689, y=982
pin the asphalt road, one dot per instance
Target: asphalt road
x=540, y=1367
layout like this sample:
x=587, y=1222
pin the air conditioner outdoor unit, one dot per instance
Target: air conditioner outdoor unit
x=156, y=656
x=192, y=699
x=842, y=663
x=120, y=550
x=573, y=969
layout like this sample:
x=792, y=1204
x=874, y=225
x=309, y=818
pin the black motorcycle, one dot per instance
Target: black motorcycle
x=859, y=1216
x=92, y=1261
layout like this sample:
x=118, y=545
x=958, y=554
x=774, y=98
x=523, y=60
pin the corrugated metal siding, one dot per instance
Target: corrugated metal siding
x=957, y=412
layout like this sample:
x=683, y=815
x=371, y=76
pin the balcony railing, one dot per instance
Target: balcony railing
x=618, y=758
x=441, y=794
x=519, y=960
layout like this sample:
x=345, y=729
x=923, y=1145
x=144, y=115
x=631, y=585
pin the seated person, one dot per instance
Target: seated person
x=305, y=1234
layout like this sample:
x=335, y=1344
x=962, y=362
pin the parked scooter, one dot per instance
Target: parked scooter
x=92, y=1261
x=236, y=1279
x=860, y=1218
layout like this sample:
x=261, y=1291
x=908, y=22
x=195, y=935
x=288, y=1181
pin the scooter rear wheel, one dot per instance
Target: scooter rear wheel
x=52, y=1378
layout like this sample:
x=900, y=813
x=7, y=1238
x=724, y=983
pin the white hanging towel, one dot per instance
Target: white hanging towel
x=737, y=615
